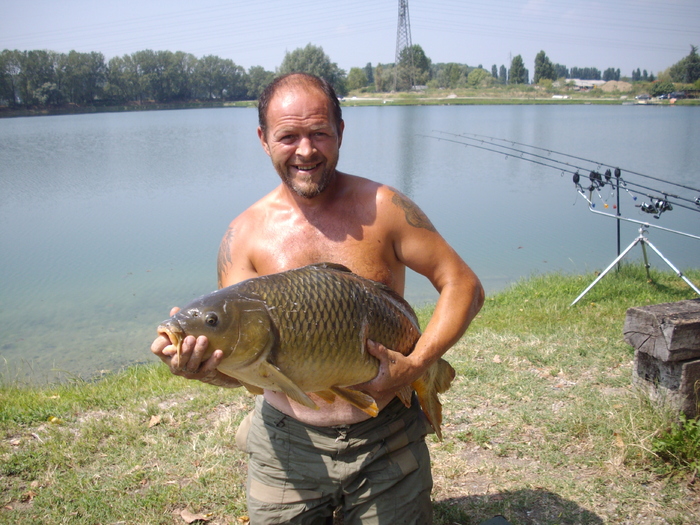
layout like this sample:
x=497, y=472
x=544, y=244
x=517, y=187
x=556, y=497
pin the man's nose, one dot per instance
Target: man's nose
x=305, y=147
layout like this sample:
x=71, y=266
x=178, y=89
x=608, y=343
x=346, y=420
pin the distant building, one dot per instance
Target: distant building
x=585, y=84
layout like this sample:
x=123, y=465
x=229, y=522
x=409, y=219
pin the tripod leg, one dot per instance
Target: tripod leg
x=643, y=242
x=618, y=259
x=678, y=272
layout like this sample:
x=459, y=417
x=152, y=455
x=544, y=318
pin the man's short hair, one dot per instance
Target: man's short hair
x=295, y=80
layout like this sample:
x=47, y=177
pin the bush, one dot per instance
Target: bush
x=679, y=446
x=661, y=88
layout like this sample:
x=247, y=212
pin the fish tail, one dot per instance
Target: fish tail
x=436, y=380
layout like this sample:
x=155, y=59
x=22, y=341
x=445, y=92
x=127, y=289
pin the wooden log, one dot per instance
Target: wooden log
x=668, y=331
x=673, y=383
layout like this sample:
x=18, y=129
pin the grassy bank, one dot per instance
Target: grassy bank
x=542, y=425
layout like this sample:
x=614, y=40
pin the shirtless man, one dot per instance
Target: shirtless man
x=304, y=462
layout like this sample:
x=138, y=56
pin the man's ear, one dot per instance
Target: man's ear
x=341, y=128
x=263, y=141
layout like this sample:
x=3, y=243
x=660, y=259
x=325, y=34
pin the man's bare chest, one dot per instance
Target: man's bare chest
x=362, y=249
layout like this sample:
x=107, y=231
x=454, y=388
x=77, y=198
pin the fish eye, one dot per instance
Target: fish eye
x=211, y=319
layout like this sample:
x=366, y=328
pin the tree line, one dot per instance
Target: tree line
x=44, y=78
x=47, y=78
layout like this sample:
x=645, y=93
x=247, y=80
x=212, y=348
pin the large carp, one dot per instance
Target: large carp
x=306, y=330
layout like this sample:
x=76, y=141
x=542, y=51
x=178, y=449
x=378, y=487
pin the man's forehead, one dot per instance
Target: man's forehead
x=295, y=106
x=290, y=94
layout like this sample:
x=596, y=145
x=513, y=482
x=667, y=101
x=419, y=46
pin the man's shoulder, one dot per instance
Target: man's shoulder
x=368, y=186
x=256, y=211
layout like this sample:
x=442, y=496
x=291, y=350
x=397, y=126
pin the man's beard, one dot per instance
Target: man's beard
x=310, y=190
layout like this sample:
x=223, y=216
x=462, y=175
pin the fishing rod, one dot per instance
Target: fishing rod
x=580, y=158
x=660, y=199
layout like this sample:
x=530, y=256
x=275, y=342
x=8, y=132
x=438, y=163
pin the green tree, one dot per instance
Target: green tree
x=219, y=78
x=503, y=74
x=10, y=70
x=357, y=78
x=561, y=71
x=661, y=88
x=83, y=76
x=369, y=71
x=181, y=77
x=150, y=74
x=419, y=71
x=48, y=95
x=383, y=79
x=450, y=75
x=122, y=80
x=543, y=68
x=517, y=73
x=585, y=73
x=311, y=59
x=479, y=77
x=687, y=70
x=257, y=81
x=611, y=74
x=36, y=68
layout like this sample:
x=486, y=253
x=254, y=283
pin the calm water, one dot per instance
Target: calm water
x=108, y=220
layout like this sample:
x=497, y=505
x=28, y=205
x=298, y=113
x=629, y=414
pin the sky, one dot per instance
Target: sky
x=650, y=35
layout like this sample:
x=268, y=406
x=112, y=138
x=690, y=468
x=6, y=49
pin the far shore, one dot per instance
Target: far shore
x=371, y=99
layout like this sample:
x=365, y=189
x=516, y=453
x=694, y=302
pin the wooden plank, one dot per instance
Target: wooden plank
x=667, y=331
x=674, y=384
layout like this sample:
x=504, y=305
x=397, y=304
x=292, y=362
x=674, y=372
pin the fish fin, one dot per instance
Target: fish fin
x=327, y=395
x=405, y=395
x=252, y=388
x=363, y=401
x=437, y=379
x=331, y=266
x=286, y=385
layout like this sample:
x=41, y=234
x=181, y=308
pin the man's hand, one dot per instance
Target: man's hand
x=190, y=364
x=395, y=371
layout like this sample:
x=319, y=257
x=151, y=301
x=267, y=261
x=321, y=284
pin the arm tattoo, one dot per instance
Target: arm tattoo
x=223, y=261
x=414, y=216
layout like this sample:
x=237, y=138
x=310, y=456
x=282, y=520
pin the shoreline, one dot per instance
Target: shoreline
x=386, y=99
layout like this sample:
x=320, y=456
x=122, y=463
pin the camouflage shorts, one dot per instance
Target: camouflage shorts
x=376, y=471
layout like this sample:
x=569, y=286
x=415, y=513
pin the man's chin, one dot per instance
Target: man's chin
x=308, y=189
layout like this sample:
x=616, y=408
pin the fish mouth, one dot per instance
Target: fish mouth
x=174, y=334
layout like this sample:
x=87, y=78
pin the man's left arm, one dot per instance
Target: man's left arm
x=419, y=246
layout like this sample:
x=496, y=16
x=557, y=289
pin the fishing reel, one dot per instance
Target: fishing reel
x=656, y=207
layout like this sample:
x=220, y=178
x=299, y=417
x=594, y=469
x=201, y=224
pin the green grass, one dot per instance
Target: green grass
x=542, y=425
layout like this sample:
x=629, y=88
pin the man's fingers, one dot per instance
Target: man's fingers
x=376, y=349
x=200, y=347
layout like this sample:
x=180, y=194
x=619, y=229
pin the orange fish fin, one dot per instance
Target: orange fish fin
x=326, y=395
x=437, y=379
x=286, y=385
x=364, y=402
x=251, y=388
x=405, y=395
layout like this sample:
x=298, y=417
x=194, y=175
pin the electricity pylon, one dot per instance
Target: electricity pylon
x=403, y=41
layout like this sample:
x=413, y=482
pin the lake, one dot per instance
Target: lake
x=107, y=220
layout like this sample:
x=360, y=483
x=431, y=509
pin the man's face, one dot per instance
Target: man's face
x=302, y=139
